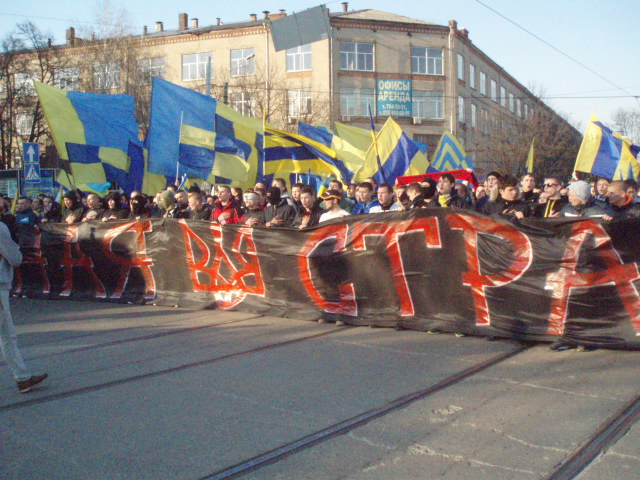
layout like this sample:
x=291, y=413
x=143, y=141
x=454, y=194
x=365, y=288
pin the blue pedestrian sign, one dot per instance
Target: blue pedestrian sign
x=31, y=152
x=32, y=173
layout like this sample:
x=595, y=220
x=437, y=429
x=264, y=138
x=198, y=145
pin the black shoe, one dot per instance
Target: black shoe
x=26, y=385
x=586, y=348
x=561, y=346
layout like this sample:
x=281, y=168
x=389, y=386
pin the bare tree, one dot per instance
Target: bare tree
x=27, y=55
x=627, y=122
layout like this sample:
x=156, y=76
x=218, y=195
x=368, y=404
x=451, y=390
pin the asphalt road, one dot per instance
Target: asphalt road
x=143, y=392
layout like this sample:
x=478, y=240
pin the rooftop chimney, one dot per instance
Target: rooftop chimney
x=183, y=19
x=453, y=25
x=266, y=14
x=253, y=17
x=218, y=21
x=280, y=14
x=159, y=27
x=71, y=36
x=145, y=30
x=345, y=7
x=465, y=33
x=194, y=23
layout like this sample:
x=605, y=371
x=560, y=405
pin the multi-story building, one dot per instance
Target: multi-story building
x=428, y=77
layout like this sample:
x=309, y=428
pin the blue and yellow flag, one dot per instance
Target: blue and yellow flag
x=104, y=124
x=194, y=134
x=528, y=168
x=449, y=155
x=607, y=154
x=287, y=152
x=398, y=156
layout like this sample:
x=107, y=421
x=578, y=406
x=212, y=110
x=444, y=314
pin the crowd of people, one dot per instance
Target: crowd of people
x=273, y=206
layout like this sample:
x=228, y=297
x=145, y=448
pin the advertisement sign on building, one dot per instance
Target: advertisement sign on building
x=394, y=97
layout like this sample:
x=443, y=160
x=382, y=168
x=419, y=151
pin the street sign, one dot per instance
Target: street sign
x=31, y=152
x=31, y=173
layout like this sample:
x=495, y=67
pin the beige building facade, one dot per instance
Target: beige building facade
x=428, y=77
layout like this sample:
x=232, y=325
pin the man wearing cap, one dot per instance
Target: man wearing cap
x=581, y=203
x=332, y=206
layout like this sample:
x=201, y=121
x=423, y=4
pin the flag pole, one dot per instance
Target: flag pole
x=179, y=142
x=375, y=144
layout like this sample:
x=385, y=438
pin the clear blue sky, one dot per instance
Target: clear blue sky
x=595, y=33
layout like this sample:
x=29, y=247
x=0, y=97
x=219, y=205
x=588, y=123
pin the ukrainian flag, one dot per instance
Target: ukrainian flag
x=530, y=158
x=140, y=178
x=399, y=156
x=103, y=124
x=239, y=138
x=293, y=153
x=449, y=155
x=606, y=154
x=194, y=134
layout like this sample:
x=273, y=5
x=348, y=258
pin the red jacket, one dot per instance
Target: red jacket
x=234, y=210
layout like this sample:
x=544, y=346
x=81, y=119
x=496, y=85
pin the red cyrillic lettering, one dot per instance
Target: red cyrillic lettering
x=567, y=278
x=347, y=304
x=471, y=227
x=392, y=232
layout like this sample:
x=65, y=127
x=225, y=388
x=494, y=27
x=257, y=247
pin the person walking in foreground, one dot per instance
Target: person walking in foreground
x=10, y=257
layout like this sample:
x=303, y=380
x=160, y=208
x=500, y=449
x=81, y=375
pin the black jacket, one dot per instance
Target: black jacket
x=506, y=209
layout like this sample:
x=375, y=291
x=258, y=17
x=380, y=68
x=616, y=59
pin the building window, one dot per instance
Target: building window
x=526, y=111
x=485, y=121
x=503, y=97
x=428, y=105
x=243, y=103
x=299, y=58
x=151, y=67
x=23, y=85
x=494, y=91
x=460, y=67
x=483, y=83
x=243, y=62
x=472, y=76
x=298, y=103
x=356, y=56
x=519, y=107
x=461, y=118
x=106, y=77
x=24, y=122
x=194, y=66
x=426, y=60
x=355, y=102
x=512, y=106
x=67, y=78
x=474, y=120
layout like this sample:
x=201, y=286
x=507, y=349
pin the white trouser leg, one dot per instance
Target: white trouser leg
x=8, y=341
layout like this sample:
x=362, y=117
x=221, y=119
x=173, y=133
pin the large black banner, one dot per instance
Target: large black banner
x=423, y=269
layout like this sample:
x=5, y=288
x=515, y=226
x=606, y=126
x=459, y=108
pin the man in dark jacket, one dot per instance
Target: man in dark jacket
x=447, y=196
x=278, y=213
x=508, y=205
x=621, y=202
x=555, y=201
x=309, y=216
x=254, y=212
